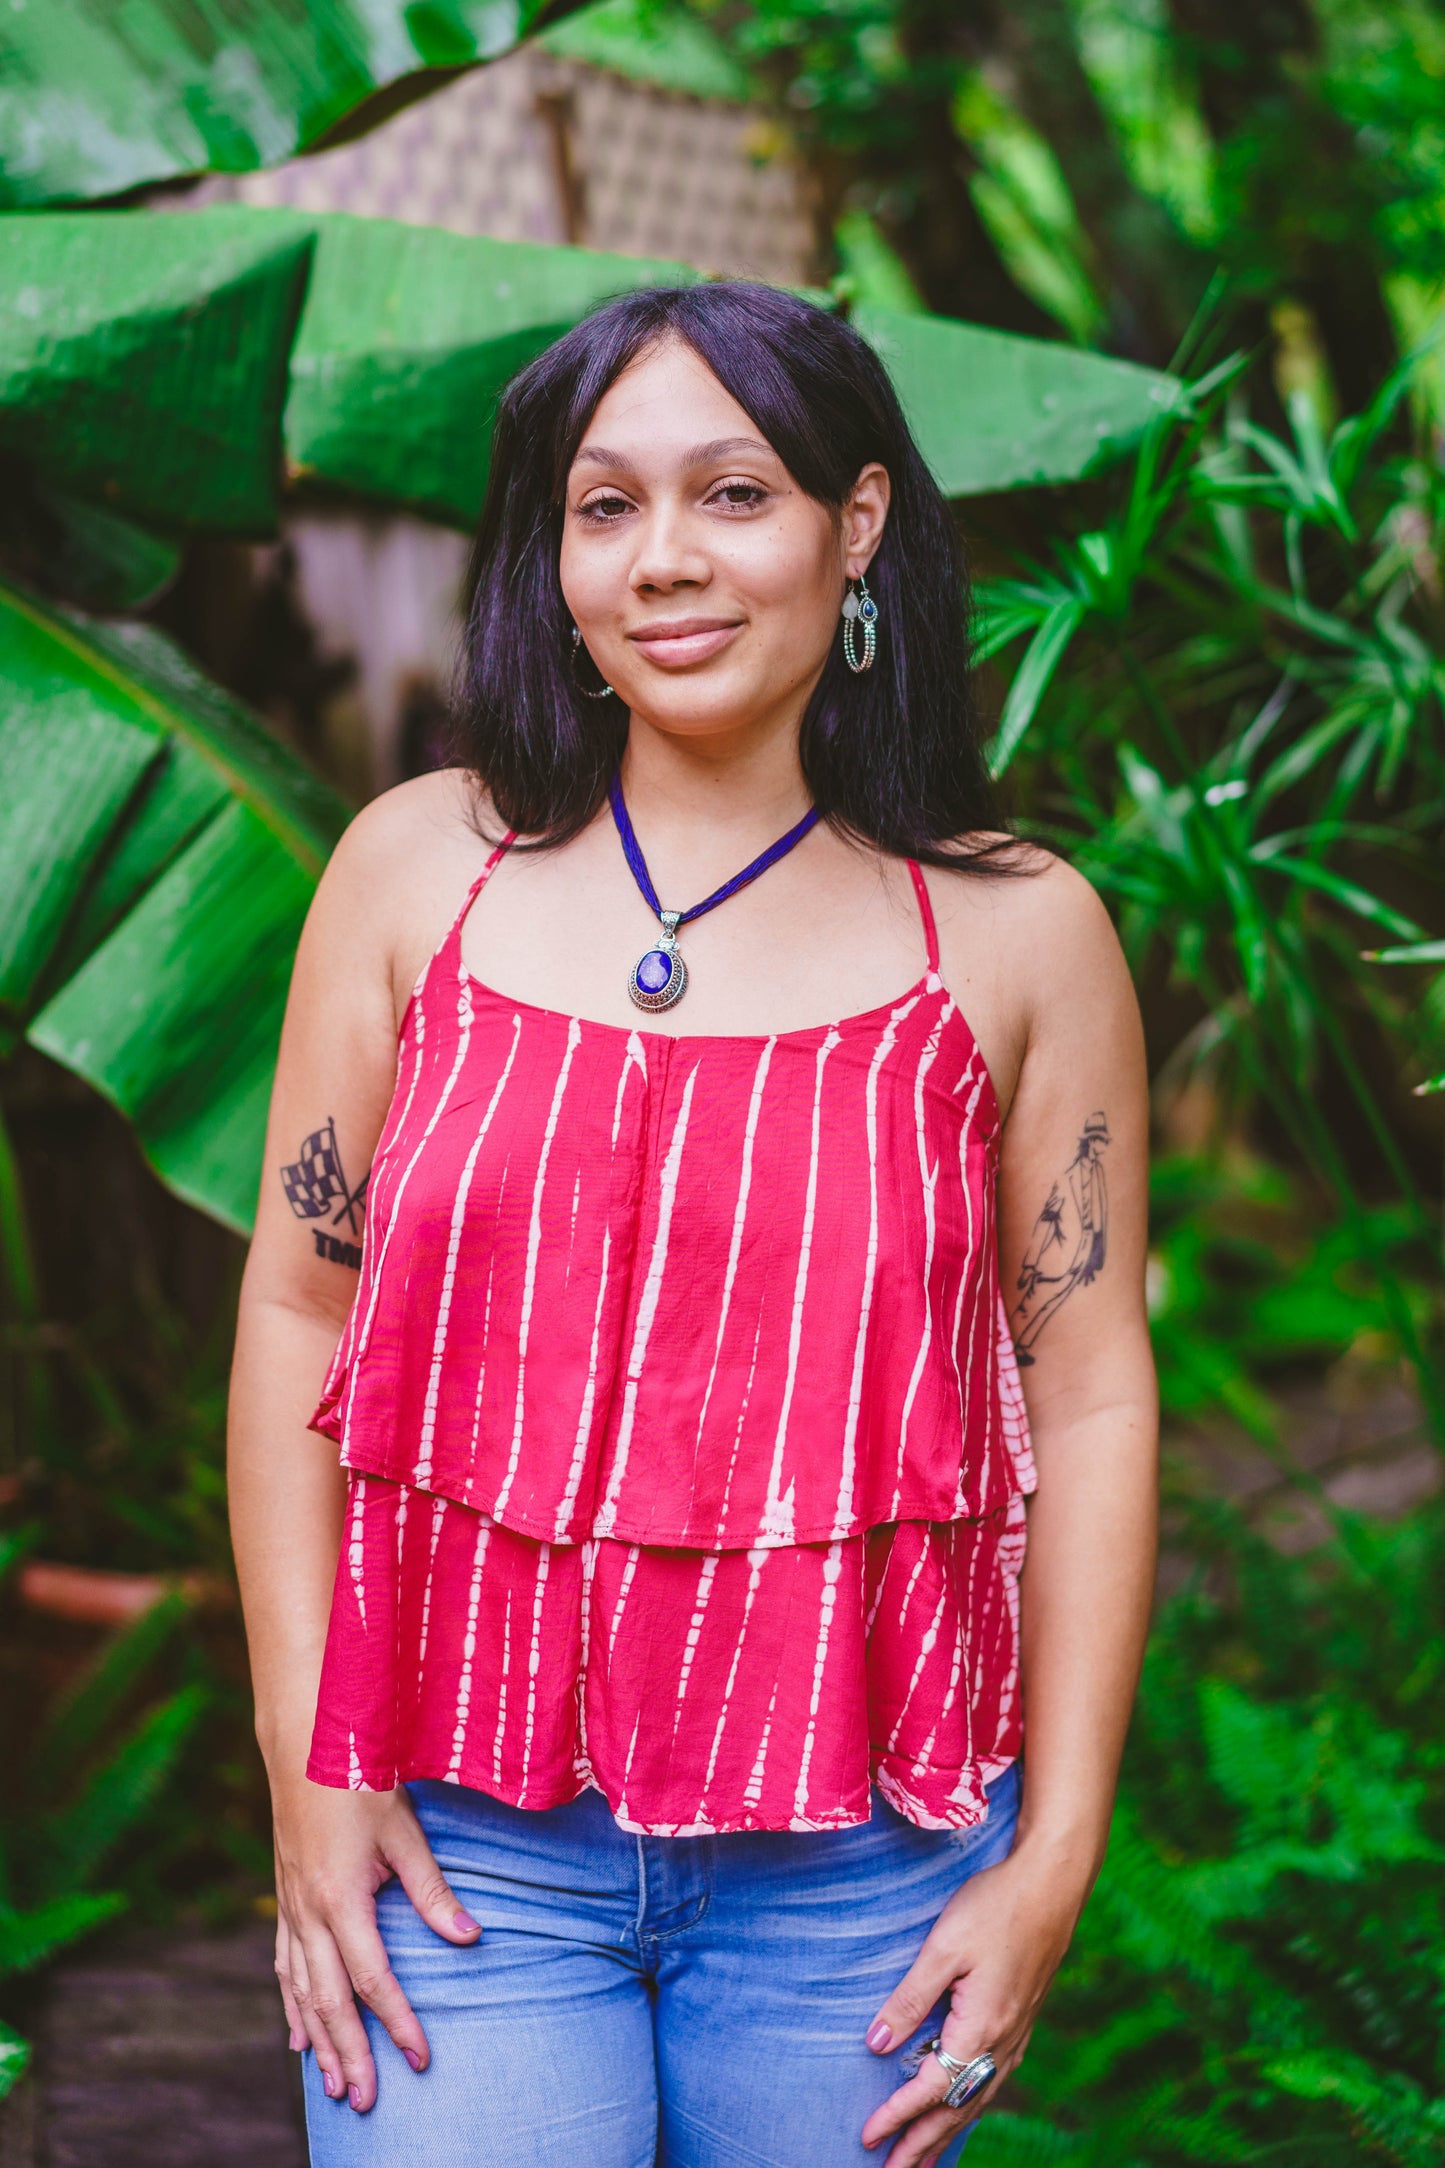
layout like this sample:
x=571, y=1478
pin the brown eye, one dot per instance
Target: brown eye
x=604, y=508
x=741, y=496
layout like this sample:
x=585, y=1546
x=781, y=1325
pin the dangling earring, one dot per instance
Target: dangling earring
x=600, y=692
x=859, y=608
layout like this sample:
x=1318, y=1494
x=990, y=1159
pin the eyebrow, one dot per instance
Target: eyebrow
x=701, y=455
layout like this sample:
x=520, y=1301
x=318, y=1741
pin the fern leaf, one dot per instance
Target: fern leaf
x=14, y=2057
x=1020, y=2141
x=28, y=1939
x=78, y=1840
x=101, y=1692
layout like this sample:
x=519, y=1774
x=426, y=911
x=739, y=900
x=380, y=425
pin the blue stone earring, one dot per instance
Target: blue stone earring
x=859, y=608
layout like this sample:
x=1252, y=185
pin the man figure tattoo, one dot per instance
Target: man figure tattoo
x=1069, y=1242
x=313, y=1183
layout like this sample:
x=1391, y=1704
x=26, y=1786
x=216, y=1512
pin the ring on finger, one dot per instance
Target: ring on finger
x=965, y=2080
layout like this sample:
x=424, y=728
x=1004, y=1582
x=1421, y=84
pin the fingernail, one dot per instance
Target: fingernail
x=353, y=2094
x=879, y=2036
x=464, y=1923
x=332, y=2084
x=298, y=2041
x=412, y=2057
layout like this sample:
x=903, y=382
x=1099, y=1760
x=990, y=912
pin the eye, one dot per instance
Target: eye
x=603, y=509
x=739, y=496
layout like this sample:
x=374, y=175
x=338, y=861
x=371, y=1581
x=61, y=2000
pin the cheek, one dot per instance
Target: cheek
x=791, y=582
x=592, y=579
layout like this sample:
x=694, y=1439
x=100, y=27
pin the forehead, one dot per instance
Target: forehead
x=663, y=404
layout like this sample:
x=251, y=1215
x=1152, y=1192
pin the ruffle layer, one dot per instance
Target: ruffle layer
x=699, y=1691
x=698, y=1292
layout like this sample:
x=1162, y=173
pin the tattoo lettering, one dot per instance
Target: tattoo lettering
x=1069, y=1242
x=314, y=1182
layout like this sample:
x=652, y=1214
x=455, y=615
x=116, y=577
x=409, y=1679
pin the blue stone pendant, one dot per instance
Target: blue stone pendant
x=659, y=976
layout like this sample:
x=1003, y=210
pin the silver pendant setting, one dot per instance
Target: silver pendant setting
x=659, y=976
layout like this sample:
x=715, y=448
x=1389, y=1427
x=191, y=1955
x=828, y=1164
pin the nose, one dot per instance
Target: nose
x=668, y=554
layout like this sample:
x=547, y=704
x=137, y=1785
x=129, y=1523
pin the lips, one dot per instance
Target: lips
x=674, y=642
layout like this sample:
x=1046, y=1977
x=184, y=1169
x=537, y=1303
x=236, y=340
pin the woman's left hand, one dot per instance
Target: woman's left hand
x=994, y=1949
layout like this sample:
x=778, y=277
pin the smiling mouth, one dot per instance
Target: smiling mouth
x=683, y=639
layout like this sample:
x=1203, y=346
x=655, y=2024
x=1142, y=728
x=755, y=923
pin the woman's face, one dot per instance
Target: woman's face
x=705, y=583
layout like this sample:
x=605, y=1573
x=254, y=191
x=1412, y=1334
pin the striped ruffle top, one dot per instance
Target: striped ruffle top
x=686, y=1444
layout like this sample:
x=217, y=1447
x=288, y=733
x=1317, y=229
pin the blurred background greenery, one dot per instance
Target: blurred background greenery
x=1161, y=282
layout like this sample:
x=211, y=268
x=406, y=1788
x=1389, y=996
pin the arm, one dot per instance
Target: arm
x=333, y=1085
x=1073, y=1227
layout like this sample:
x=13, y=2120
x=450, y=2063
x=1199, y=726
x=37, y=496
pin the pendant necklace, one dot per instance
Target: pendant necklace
x=659, y=976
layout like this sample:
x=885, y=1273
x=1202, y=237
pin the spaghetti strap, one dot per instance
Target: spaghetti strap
x=477, y=886
x=484, y=876
x=451, y=940
x=925, y=910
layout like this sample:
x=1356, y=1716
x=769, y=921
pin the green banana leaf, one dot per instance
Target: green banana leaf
x=144, y=359
x=100, y=96
x=994, y=411
x=158, y=849
x=404, y=337
x=659, y=46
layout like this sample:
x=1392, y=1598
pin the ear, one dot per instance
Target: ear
x=864, y=515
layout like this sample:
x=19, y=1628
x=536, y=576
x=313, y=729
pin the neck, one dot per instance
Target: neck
x=747, y=784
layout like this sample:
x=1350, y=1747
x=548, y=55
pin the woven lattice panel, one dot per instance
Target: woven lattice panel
x=475, y=157
x=535, y=148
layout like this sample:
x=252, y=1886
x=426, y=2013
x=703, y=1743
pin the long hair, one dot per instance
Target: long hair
x=892, y=755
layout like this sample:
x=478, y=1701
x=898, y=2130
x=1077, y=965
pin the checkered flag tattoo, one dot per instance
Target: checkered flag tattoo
x=314, y=1181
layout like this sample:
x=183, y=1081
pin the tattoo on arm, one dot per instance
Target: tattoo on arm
x=1069, y=1242
x=314, y=1182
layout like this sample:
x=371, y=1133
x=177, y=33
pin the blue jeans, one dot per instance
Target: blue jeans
x=689, y=2002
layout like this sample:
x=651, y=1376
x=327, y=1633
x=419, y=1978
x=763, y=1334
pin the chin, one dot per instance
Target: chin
x=700, y=706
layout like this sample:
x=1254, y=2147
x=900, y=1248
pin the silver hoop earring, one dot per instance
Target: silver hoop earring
x=859, y=608
x=599, y=692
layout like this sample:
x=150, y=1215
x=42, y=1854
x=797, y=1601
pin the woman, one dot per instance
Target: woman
x=651, y=1772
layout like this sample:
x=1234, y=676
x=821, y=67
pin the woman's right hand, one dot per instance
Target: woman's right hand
x=334, y=1850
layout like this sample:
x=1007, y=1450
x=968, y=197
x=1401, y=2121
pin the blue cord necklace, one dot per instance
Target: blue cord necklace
x=659, y=976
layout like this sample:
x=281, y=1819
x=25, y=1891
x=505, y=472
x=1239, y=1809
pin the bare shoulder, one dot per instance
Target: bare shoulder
x=1038, y=919
x=398, y=834
x=399, y=873
x=1020, y=949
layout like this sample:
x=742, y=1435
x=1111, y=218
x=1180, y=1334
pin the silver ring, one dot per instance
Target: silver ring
x=965, y=2079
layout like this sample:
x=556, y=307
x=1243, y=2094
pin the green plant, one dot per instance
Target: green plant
x=165, y=90
x=1228, y=710
x=1260, y=1973
x=1253, y=1282
x=92, y=1774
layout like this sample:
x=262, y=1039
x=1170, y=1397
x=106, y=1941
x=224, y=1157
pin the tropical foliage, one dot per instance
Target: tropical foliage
x=1258, y=1975
x=157, y=854
x=1230, y=706
x=1227, y=704
x=1215, y=628
x=91, y=1773
x=95, y=100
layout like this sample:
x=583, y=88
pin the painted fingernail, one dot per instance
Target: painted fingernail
x=332, y=2084
x=464, y=1923
x=353, y=2094
x=298, y=2041
x=879, y=2036
x=412, y=2057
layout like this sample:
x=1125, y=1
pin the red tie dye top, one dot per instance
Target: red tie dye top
x=686, y=1445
